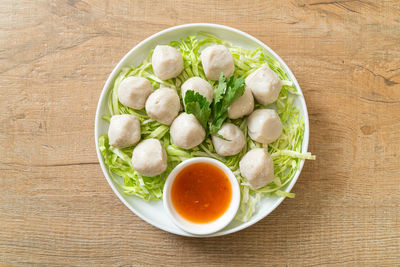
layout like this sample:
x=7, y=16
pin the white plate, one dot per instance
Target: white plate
x=153, y=211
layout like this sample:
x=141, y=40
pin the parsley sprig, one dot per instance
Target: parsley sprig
x=228, y=90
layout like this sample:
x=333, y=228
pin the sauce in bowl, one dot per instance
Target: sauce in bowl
x=201, y=195
x=201, y=192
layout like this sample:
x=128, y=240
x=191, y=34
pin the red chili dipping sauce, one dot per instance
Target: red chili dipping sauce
x=201, y=192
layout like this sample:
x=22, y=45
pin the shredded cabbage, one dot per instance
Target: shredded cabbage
x=286, y=151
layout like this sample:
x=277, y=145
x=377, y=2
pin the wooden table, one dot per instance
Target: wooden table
x=56, y=208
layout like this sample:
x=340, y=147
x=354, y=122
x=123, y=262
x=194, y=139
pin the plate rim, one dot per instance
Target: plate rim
x=116, y=70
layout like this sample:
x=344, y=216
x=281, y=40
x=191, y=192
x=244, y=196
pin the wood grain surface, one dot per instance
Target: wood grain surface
x=56, y=207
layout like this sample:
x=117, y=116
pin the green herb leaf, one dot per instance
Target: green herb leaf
x=225, y=95
x=216, y=124
x=219, y=94
x=198, y=105
x=235, y=89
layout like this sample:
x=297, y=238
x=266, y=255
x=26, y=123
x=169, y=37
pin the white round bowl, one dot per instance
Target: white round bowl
x=153, y=211
x=201, y=228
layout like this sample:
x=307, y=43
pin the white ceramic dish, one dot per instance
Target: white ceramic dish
x=153, y=211
x=205, y=228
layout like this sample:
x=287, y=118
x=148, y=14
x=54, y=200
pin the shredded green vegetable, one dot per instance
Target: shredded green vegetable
x=286, y=151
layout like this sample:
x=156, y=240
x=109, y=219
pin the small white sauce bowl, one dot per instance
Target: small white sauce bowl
x=201, y=228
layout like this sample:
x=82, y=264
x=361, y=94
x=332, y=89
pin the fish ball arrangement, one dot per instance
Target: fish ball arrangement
x=202, y=96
